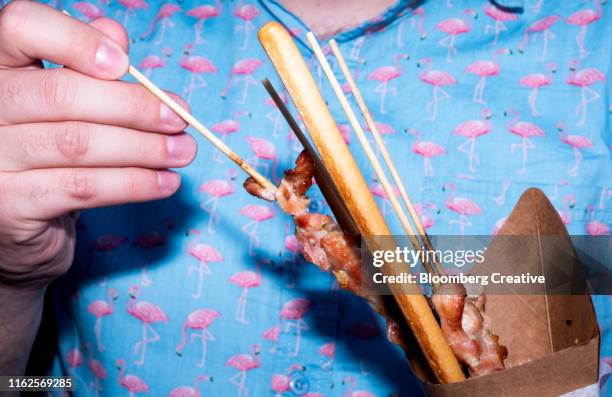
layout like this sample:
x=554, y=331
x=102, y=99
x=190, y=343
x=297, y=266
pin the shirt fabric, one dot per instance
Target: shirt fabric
x=283, y=328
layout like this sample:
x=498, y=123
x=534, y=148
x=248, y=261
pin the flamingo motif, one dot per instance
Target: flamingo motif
x=437, y=79
x=526, y=131
x=384, y=75
x=246, y=12
x=148, y=241
x=275, y=116
x=97, y=369
x=205, y=254
x=196, y=65
x=535, y=82
x=577, y=142
x=243, y=363
x=198, y=320
x=584, y=78
x=257, y=213
x=472, y=129
x=541, y=26
x=131, y=382
x=423, y=211
x=501, y=198
x=569, y=202
x=453, y=27
x=272, y=335
x=100, y=308
x=244, y=68
x=499, y=16
x=293, y=311
x=417, y=13
x=89, y=10
x=484, y=69
x=225, y=128
x=164, y=17
x=596, y=227
x=378, y=190
x=328, y=351
x=203, y=13
x=263, y=150
x=130, y=8
x=462, y=206
x=245, y=279
x=427, y=150
x=148, y=313
x=216, y=189
x=188, y=391
x=282, y=382
x=584, y=18
x=152, y=62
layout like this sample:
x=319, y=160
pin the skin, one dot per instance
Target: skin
x=76, y=138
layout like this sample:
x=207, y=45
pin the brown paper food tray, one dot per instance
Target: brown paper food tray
x=552, y=340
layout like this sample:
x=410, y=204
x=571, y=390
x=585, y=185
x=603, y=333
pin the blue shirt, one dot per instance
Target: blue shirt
x=206, y=288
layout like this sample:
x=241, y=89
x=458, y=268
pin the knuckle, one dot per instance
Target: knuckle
x=72, y=141
x=13, y=92
x=57, y=91
x=13, y=16
x=79, y=185
x=139, y=102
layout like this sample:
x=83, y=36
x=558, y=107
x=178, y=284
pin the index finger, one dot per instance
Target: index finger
x=31, y=31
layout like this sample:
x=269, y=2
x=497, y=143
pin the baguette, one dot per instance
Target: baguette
x=354, y=190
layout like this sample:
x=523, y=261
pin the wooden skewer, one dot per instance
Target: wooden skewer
x=189, y=119
x=383, y=150
x=218, y=143
x=366, y=145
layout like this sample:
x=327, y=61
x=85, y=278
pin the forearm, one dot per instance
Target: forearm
x=20, y=314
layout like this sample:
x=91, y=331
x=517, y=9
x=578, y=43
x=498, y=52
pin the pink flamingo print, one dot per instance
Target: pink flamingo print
x=577, y=142
x=74, y=358
x=202, y=13
x=263, y=150
x=216, y=189
x=378, y=190
x=501, y=198
x=198, y=320
x=205, y=254
x=328, y=351
x=196, y=65
x=498, y=225
x=282, y=382
x=453, y=27
x=293, y=311
x=383, y=128
x=351, y=392
x=148, y=241
x=535, y=82
x=246, y=280
x=246, y=12
x=384, y=75
x=272, y=335
x=89, y=10
x=97, y=369
x=243, y=68
x=130, y=8
x=256, y=213
x=596, y=227
x=243, y=363
x=484, y=69
x=148, y=314
x=345, y=131
x=499, y=16
x=472, y=129
x=108, y=242
x=541, y=26
x=164, y=17
x=131, y=382
x=584, y=18
x=417, y=13
x=569, y=202
x=526, y=131
x=151, y=62
x=100, y=308
x=225, y=128
x=584, y=78
x=426, y=149
x=437, y=79
x=462, y=206
x=423, y=211
x=188, y=391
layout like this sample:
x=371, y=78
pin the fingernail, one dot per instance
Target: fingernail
x=180, y=147
x=168, y=181
x=111, y=59
x=170, y=118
